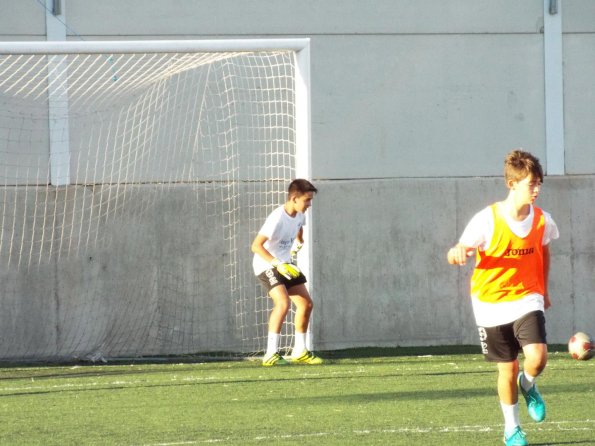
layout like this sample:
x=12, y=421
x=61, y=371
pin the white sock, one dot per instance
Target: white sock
x=511, y=416
x=300, y=343
x=527, y=381
x=272, y=344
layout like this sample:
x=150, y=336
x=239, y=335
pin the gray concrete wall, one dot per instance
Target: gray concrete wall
x=381, y=271
x=380, y=279
x=414, y=105
x=151, y=282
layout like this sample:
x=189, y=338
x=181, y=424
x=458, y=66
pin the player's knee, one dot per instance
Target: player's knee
x=304, y=307
x=536, y=357
x=308, y=306
x=282, y=306
x=540, y=364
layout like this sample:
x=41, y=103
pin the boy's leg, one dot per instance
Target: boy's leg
x=273, y=283
x=530, y=331
x=500, y=346
x=508, y=394
x=535, y=362
x=507, y=382
x=303, y=309
x=281, y=304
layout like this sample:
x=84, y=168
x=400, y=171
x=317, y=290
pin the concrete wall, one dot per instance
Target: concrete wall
x=381, y=271
x=150, y=282
x=414, y=105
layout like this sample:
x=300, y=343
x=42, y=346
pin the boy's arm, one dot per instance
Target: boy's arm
x=546, y=272
x=259, y=249
x=474, y=236
x=300, y=236
x=299, y=242
x=457, y=255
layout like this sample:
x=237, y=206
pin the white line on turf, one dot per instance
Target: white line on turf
x=546, y=426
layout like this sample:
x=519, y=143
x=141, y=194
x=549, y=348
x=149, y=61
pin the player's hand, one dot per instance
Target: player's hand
x=286, y=269
x=546, y=301
x=294, y=253
x=457, y=255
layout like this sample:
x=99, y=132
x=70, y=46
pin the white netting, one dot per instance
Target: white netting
x=131, y=186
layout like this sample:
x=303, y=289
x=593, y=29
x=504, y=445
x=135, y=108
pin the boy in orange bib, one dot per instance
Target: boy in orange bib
x=509, y=287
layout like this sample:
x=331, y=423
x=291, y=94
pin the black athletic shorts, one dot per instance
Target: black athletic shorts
x=271, y=278
x=504, y=342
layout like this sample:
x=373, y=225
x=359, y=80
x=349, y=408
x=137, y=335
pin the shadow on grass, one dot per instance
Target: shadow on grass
x=217, y=361
x=592, y=442
x=196, y=363
x=290, y=374
x=412, y=395
x=380, y=352
x=439, y=350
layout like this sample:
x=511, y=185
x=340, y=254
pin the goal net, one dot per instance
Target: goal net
x=133, y=178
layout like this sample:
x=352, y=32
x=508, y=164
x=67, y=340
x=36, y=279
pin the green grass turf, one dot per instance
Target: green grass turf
x=364, y=396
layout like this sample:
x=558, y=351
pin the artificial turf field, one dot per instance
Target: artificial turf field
x=358, y=397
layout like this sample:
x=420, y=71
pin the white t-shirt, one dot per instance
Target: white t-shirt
x=478, y=234
x=281, y=230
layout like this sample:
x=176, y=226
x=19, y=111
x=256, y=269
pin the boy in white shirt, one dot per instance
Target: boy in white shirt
x=282, y=279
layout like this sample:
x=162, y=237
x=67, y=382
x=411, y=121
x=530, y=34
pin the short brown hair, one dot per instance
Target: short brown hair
x=519, y=165
x=299, y=187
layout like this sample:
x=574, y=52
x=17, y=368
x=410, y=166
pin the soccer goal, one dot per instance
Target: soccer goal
x=133, y=178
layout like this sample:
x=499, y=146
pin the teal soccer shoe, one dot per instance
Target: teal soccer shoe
x=516, y=438
x=535, y=403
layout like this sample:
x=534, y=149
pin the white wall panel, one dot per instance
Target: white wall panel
x=425, y=105
x=311, y=17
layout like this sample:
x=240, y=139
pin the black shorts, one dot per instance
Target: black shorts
x=504, y=342
x=271, y=278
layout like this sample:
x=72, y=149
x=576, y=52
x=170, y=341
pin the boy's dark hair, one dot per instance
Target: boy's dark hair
x=519, y=165
x=299, y=187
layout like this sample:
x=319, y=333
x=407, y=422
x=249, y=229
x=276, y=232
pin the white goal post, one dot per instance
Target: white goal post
x=133, y=176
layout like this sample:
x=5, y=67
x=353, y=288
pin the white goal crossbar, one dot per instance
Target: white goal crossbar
x=153, y=46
